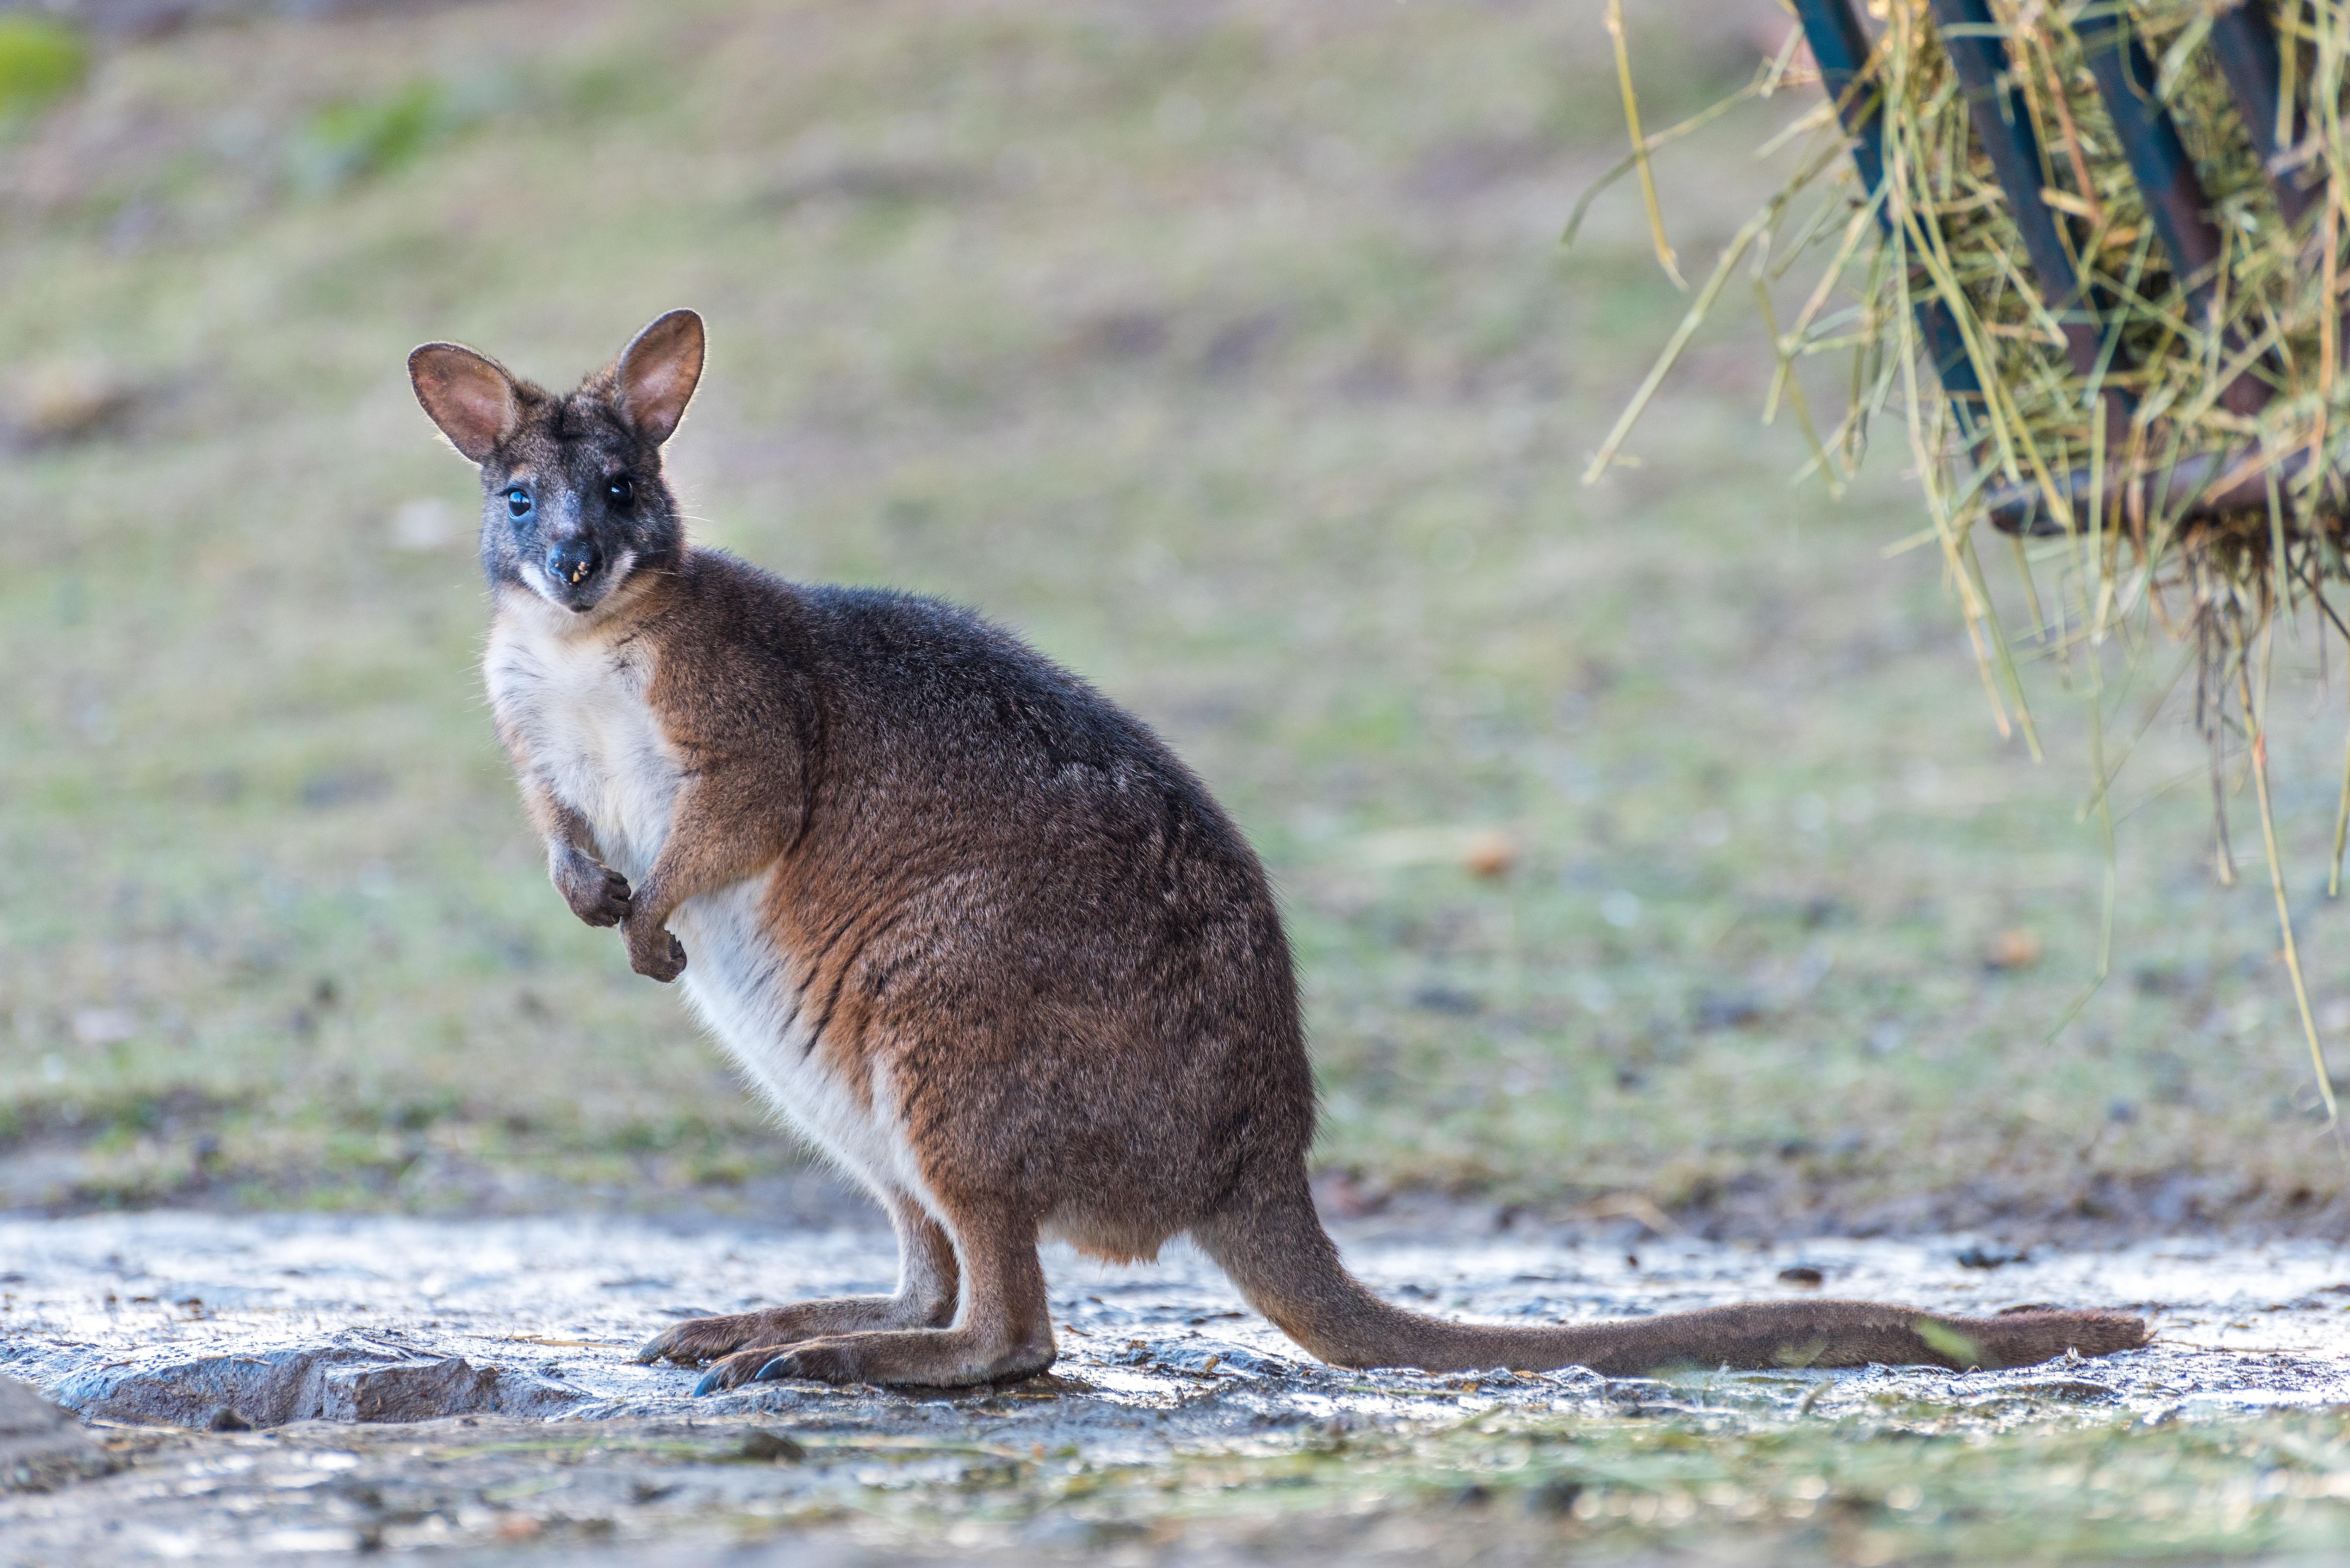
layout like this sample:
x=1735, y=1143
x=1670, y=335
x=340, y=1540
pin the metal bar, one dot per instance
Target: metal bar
x=2206, y=485
x=2244, y=41
x=1840, y=49
x=2165, y=174
x=2003, y=125
x=1976, y=45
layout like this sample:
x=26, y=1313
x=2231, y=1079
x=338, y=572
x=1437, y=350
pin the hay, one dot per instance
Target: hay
x=2191, y=479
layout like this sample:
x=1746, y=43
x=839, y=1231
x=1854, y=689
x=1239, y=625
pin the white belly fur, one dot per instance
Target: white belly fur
x=580, y=715
x=741, y=986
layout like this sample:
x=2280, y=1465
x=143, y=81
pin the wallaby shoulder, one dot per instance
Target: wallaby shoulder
x=732, y=663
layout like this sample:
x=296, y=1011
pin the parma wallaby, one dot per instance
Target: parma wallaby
x=973, y=929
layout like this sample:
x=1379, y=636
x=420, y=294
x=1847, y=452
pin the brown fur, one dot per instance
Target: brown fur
x=1012, y=964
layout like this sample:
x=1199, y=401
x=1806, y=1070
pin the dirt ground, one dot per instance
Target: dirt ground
x=1176, y=1428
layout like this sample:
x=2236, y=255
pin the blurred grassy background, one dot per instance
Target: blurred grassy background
x=1227, y=351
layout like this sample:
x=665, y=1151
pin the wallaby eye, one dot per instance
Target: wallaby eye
x=518, y=502
x=621, y=489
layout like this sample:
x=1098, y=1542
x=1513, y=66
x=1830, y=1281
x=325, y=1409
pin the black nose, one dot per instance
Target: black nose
x=574, y=561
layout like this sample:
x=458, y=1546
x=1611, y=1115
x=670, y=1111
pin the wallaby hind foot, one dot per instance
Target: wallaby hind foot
x=923, y=1358
x=928, y=1276
x=700, y=1340
x=1005, y=1330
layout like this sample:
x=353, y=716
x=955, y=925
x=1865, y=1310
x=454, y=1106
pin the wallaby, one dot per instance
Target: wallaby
x=974, y=930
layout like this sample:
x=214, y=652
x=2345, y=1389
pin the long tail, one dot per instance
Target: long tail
x=1275, y=1249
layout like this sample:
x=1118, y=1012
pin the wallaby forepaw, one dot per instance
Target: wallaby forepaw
x=654, y=953
x=599, y=897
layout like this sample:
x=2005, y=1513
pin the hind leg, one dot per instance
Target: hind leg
x=925, y=1298
x=1003, y=1330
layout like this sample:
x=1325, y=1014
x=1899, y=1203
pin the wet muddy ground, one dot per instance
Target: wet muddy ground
x=468, y=1387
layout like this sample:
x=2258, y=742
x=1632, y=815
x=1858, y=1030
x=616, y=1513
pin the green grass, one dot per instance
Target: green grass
x=1234, y=362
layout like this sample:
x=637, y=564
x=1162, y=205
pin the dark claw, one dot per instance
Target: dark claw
x=781, y=1367
x=708, y=1385
x=652, y=1350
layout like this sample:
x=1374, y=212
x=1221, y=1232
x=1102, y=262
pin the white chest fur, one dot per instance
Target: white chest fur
x=573, y=704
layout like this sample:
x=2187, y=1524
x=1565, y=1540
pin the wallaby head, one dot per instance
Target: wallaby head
x=573, y=498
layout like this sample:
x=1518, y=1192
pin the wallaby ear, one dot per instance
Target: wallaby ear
x=658, y=371
x=471, y=398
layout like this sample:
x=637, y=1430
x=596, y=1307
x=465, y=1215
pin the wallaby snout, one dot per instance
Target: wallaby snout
x=574, y=561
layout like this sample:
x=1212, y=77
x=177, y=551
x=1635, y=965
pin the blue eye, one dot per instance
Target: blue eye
x=518, y=502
